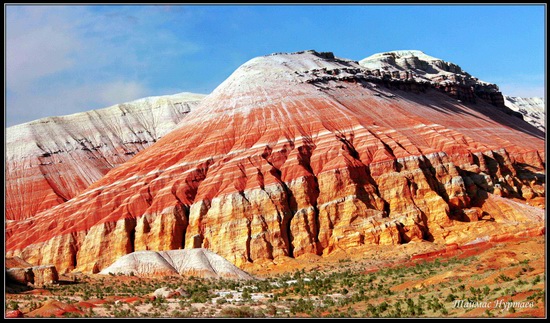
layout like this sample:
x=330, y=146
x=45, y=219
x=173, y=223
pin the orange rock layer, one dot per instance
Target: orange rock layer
x=275, y=164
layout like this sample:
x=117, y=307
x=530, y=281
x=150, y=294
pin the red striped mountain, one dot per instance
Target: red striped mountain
x=304, y=153
x=50, y=160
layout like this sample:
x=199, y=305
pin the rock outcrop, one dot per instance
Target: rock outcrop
x=416, y=66
x=167, y=292
x=20, y=271
x=50, y=160
x=298, y=154
x=197, y=262
x=45, y=275
x=20, y=275
x=14, y=314
x=532, y=109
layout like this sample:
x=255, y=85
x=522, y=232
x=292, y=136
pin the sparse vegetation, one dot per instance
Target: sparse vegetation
x=12, y=305
x=421, y=289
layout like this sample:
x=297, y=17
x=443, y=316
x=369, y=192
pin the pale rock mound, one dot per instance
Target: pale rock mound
x=167, y=292
x=12, y=262
x=197, y=262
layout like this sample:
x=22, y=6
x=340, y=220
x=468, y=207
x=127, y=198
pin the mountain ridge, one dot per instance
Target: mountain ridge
x=298, y=154
x=52, y=159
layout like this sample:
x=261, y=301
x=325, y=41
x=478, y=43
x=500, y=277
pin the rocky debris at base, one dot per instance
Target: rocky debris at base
x=37, y=276
x=13, y=314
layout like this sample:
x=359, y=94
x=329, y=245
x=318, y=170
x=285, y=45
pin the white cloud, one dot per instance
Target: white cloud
x=521, y=90
x=522, y=85
x=63, y=100
x=119, y=92
x=67, y=59
x=38, y=44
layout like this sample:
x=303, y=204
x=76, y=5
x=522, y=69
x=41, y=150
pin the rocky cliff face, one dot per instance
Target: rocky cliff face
x=414, y=66
x=49, y=161
x=532, y=109
x=298, y=154
x=20, y=271
x=444, y=76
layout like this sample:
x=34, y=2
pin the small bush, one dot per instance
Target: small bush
x=240, y=312
x=12, y=305
x=504, y=278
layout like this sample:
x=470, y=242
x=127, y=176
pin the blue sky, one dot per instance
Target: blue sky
x=66, y=59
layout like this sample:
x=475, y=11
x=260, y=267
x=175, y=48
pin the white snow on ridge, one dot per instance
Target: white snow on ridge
x=532, y=109
x=83, y=147
x=140, y=120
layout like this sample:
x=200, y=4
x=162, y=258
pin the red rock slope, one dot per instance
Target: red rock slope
x=50, y=160
x=303, y=153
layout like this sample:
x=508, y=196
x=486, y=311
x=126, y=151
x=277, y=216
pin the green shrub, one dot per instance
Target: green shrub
x=12, y=305
x=240, y=312
x=504, y=278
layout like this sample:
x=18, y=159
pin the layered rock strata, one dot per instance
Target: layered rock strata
x=303, y=153
x=416, y=66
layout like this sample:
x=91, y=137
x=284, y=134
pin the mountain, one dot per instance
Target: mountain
x=306, y=153
x=51, y=160
x=532, y=109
